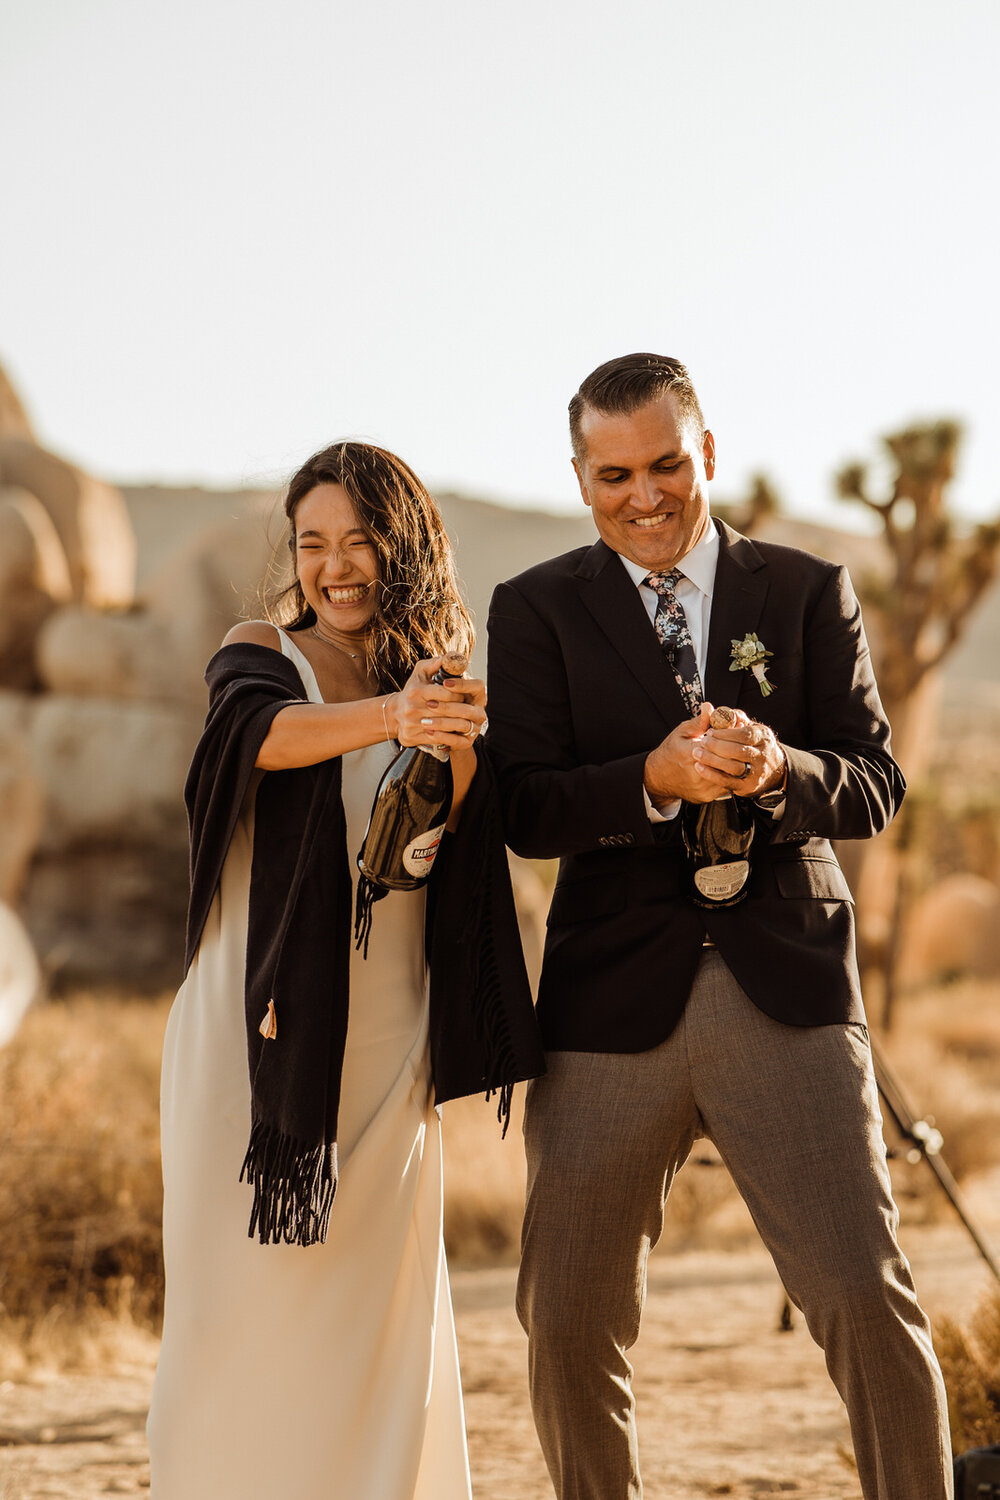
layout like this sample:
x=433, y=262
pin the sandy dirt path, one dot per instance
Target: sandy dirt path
x=728, y=1405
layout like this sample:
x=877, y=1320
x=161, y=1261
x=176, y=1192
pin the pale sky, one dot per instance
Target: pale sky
x=232, y=231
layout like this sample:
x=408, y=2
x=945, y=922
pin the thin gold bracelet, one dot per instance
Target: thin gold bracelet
x=385, y=721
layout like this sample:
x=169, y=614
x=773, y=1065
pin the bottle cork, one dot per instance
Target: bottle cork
x=455, y=664
x=722, y=718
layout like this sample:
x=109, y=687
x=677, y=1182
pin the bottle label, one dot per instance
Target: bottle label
x=722, y=882
x=418, y=856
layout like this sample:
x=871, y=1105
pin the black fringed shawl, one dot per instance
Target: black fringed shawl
x=483, y=1034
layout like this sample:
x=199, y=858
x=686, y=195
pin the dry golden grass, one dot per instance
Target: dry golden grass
x=484, y=1191
x=80, y=1197
x=945, y=1049
x=484, y=1182
x=961, y=1021
x=970, y=1362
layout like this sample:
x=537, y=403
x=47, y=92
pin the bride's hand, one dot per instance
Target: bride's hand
x=451, y=714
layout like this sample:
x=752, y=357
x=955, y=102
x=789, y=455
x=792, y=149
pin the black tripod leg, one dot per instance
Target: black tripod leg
x=927, y=1142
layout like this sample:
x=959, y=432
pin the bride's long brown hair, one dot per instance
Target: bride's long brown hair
x=419, y=610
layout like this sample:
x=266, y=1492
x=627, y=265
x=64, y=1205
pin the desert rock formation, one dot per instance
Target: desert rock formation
x=111, y=603
x=89, y=517
x=34, y=581
x=22, y=798
x=14, y=420
x=90, y=788
x=19, y=972
x=953, y=929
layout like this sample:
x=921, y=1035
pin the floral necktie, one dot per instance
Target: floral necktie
x=671, y=626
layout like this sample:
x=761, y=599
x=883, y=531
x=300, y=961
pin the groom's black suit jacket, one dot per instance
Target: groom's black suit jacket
x=580, y=692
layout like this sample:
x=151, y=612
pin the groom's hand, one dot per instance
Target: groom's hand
x=672, y=770
x=746, y=759
x=698, y=763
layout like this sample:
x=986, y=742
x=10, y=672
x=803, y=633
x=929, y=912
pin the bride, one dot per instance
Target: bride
x=308, y=1344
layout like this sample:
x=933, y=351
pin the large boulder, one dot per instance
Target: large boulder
x=22, y=798
x=953, y=929
x=111, y=915
x=114, y=772
x=203, y=588
x=90, y=517
x=84, y=653
x=20, y=975
x=160, y=648
x=34, y=580
x=14, y=420
x=105, y=894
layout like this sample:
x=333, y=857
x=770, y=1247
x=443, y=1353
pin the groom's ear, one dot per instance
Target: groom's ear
x=708, y=453
x=579, y=479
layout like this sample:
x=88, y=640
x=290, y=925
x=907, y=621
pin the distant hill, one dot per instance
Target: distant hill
x=494, y=542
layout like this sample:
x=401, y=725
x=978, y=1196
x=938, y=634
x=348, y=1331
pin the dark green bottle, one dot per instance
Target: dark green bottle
x=717, y=838
x=408, y=815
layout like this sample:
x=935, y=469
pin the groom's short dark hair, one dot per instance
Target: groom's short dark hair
x=623, y=385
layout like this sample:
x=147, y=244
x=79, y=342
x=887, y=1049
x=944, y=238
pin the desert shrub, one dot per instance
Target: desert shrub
x=704, y=1207
x=961, y=1022
x=970, y=1363
x=484, y=1191
x=483, y=1182
x=80, y=1195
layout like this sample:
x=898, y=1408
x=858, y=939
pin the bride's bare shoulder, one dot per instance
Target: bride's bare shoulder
x=254, y=633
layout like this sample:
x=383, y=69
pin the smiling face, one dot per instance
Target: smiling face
x=335, y=560
x=645, y=476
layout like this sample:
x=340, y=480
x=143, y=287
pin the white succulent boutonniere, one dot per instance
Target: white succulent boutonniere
x=749, y=655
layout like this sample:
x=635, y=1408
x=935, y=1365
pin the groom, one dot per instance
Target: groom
x=664, y=1022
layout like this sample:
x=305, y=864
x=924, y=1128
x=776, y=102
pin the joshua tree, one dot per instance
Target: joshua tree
x=936, y=574
x=760, y=504
x=920, y=603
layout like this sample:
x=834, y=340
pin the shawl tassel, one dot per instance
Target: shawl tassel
x=294, y=1185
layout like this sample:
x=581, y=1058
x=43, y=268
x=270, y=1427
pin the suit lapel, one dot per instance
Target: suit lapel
x=613, y=599
x=738, y=597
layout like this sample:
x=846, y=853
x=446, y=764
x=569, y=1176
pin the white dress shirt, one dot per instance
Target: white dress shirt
x=694, y=590
x=694, y=593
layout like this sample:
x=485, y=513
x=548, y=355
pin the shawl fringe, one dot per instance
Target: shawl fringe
x=488, y=1011
x=293, y=1187
x=368, y=893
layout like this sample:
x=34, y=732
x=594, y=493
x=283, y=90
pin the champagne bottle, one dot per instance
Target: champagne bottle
x=409, y=812
x=717, y=838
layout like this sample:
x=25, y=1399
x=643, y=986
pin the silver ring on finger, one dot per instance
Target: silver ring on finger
x=471, y=731
x=745, y=771
x=427, y=723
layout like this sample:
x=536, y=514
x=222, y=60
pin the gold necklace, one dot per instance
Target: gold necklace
x=328, y=642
